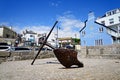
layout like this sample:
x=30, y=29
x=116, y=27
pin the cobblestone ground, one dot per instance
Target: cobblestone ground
x=51, y=69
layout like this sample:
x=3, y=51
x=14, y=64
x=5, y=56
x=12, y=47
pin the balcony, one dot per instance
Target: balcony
x=113, y=33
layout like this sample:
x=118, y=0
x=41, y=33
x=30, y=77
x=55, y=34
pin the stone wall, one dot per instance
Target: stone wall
x=16, y=56
x=31, y=55
x=110, y=51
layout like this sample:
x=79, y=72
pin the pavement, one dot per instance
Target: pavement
x=51, y=69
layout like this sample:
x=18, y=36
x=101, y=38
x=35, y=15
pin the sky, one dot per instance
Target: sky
x=40, y=15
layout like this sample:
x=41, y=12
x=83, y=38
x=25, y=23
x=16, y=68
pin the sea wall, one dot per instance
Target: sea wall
x=109, y=51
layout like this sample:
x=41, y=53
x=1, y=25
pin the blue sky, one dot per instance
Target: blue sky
x=40, y=15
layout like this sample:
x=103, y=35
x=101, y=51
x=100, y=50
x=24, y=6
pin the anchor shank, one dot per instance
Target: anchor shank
x=44, y=42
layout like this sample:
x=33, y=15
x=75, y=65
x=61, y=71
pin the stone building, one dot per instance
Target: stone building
x=6, y=32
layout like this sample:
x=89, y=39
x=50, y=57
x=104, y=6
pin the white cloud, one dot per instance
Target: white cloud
x=55, y=3
x=69, y=27
x=37, y=29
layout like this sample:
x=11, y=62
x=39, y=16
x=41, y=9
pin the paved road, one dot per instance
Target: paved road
x=50, y=69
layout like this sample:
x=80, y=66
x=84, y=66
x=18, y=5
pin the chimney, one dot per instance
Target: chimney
x=91, y=15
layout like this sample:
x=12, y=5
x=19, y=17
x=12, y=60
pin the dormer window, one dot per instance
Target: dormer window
x=114, y=12
x=108, y=13
x=119, y=9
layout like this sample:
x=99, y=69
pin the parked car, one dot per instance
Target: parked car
x=43, y=49
x=20, y=49
x=5, y=49
x=69, y=47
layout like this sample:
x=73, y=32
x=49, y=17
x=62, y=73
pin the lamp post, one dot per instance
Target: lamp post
x=57, y=38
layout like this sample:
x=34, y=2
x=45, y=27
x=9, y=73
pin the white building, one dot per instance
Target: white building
x=111, y=20
x=30, y=37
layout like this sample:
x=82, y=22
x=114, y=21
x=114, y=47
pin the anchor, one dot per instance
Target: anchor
x=66, y=57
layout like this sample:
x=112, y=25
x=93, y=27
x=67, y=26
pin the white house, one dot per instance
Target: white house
x=111, y=20
x=29, y=37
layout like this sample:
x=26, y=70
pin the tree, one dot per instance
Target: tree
x=76, y=41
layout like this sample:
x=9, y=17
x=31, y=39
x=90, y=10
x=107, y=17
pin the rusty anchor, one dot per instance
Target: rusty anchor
x=66, y=57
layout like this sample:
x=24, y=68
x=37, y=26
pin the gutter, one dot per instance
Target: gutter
x=105, y=26
x=84, y=26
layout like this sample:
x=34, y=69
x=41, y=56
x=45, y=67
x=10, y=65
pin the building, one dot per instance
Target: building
x=65, y=41
x=31, y=38
x=111, y=20
x=93, y=34
x=68, y=41
x=7, y=34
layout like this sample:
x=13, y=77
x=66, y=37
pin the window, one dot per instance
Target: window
x=98, y=42
x=111, y=21
x=7, y=36
x=31, y=36
x=114, y=12
x=101, y=29
x=118, y=29
x=101, y=42
x=119, y=18
x=103, y=22
x=109, y=13
x=83, y=33
x=119, y=9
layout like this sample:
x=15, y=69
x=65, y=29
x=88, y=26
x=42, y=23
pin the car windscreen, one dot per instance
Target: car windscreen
x=3, y=47
x=21, y=49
